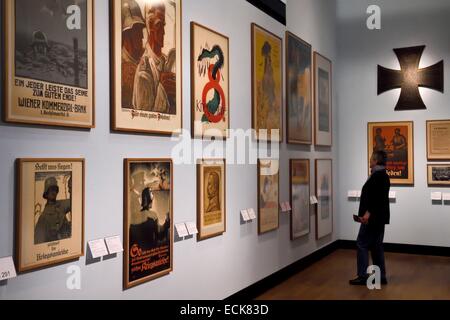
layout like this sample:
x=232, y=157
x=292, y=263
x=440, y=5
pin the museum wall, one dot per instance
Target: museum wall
x=210, y=269
x=404, y=23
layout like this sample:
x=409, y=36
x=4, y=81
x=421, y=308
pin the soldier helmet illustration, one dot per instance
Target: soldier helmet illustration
x=131, y=15
x=40, y=41
x=50, y=183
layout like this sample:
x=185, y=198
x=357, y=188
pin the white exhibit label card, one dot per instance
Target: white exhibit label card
x=251, y=213
x=244, y=214
x=314, y=200
x=191, y=228
x=358, y=194
x=283, y=206
x=181, y=230
x=98, y=248
x=288, y=206
x=114, y=244
x=446, y=196
x=352, y=194
x=436, y=196
x=7, y=268
x=392, y=195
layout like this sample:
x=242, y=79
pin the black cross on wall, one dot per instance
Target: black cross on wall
x=410, y=78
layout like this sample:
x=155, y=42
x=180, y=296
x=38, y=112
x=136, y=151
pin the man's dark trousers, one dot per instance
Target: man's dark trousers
x=370, y=238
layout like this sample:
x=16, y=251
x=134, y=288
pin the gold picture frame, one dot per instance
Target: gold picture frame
x=438, y=140
x=299, y=195
x=323, y=100
x=324, y=192
x=268, y=195
x=438, y=175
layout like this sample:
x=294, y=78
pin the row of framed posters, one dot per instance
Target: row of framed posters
x=50, y=73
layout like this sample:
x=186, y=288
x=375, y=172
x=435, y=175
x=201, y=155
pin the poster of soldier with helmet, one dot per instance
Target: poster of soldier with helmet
x=50, y=212
x=146, y=66
x=49, y=62
x=148, y=217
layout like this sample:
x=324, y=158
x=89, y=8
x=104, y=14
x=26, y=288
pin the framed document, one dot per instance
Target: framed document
x=268, y=195
x=50, y=212
x=396, y=139
x=210, y=83
x=438, y=140
x=211, y=203
x=49, y=62
x=148, y=220
x=439, y=175
x=324, y=192
x=146, y=66
x=267, y=84
x=323, y=100
x=300, y=197
x=298, y=90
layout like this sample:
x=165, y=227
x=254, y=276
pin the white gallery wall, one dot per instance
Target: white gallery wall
x=404, y=23
x=211, y=269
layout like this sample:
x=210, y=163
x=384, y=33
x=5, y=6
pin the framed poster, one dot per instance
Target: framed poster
x=211, y=201
x=298, y=90
x=396, y=139
x=146, y=67
x=148, y=220
x=49, y=62
x=268, y=195
x=439, y=175
x=438, y=140
x=50, y=212
x=299, y=197
x=323, y=101
x=210, y=83
x=267, y=84
x=324, y=191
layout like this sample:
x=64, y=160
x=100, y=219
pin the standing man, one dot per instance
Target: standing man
x=132, y=47
x=374, y=214
x=155, y=81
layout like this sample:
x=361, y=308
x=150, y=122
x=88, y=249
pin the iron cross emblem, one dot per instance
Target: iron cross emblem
x=410, y=78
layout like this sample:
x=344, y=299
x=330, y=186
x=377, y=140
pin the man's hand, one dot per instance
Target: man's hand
x=365, y=218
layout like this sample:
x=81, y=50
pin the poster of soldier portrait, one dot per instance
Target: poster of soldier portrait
x=396, y=139
x=49, y=62
x=148, y=220
x=50, y=212
x=299, y=197
x=210, y=79
x=211, y=209
x=323, y=100
x=267, y=84
x=146, y=41
x=268, y=195
x=324, y=192
x=439, y=175
x=298, y=90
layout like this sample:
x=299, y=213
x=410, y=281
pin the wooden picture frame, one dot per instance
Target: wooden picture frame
x=267, y=48
x=51, y=191
x=268, y=195
x=324, y=192
x=210, y=83
x=136, y=106
x=299, y=90
x=383, y=136
x=146, y=183
x=212, y=209
x=438, y=175
x=438, y=140
x=323, y=101
x=299, y=195
x=49, y=68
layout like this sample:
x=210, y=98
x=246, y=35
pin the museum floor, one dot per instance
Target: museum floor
x=410, y=277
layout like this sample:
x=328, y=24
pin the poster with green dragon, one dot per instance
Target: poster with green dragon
x=209, y=83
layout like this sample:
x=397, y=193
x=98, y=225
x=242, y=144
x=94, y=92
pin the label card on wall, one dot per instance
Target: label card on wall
x=98, y=248
x=288, y=206
x=7, y=268
x=181, y=230
x=437, y=196
x=283, y=206
x=244, y=214
x=251, y=213
x=114, y=244
x=191, y=228
x=446, y=196
x=392, y=195
x=313, y=200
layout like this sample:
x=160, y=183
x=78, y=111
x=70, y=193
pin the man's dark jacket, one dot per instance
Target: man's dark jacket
x=375, y=199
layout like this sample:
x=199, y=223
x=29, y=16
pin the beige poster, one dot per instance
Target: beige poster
x=211, y=218
x=50, y=212
x=210, y=77
x=438, y=140
x=147, y=66
x=268, y=195
x=49, y=62
x=324, y=192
